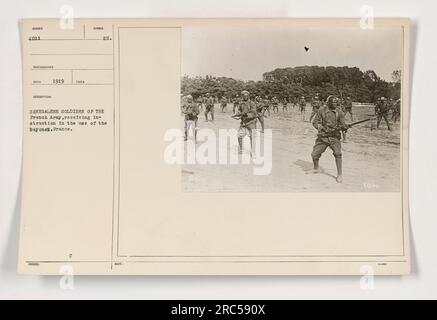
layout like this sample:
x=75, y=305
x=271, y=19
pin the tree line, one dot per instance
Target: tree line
x=301, y=81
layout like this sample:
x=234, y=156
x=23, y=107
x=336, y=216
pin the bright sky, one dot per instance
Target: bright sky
x=246, y=53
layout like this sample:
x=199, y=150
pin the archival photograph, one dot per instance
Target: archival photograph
x=291, y=109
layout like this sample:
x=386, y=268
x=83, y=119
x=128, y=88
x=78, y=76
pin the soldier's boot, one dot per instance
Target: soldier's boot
x=316, y=168
x=338, y=163
x=212, y=116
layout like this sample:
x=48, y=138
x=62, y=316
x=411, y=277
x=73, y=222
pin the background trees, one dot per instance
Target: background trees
x=301, y=81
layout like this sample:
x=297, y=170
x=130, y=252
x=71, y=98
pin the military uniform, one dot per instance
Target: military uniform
x=396, y=111
x=302, y=107
x=285, y=105
x=275, y=104
x=199, y=101
x=209, y=108
x=224, y=103
x=236, y=104
x=315, y=104
x=248, y=120
x=329, y=122
x=382, y=108
x=191, y=111
x=259, y=104
x=266, y=103
x=348, y=108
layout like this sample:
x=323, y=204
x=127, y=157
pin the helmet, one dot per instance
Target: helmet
x=331, y=99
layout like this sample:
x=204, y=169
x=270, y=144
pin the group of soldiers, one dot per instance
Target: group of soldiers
x=327, y=117
x=383, y=107
x=267, y=105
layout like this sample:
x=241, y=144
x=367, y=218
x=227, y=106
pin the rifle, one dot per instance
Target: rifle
x=347, y=125
x=360, y=121
x=239, y=116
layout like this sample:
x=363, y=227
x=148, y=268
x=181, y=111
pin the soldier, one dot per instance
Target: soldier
x=329, y=122
x=285, y=105
x=209, y=107
x=248, y=117
x=275, y=105
x=315, y=105
x=302, y=106
x=224, y=103
x=396, y=111
x=259, y=103
x=236, y=104
x=191, y=111
x=294, y=102
x=348, y=108
x=391, y=104
x=199, y=101
x=266, y=106
x=381, y=109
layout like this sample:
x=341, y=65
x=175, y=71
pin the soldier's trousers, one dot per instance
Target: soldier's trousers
x=324, y=142
x=380, y=117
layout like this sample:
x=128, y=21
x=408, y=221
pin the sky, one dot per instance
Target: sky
x=247, y=52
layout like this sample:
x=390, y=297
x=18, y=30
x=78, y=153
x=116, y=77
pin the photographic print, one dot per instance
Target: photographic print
x=325, y=103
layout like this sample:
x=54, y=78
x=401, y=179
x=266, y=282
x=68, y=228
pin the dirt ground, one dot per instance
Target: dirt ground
x=371, y=158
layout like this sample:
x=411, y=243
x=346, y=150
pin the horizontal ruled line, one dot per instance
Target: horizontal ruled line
x=80, y=69
x=71, y=54
x=71, y=40
x=72, y=84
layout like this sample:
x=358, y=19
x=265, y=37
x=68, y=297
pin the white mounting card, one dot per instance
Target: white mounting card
x=215, y=147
